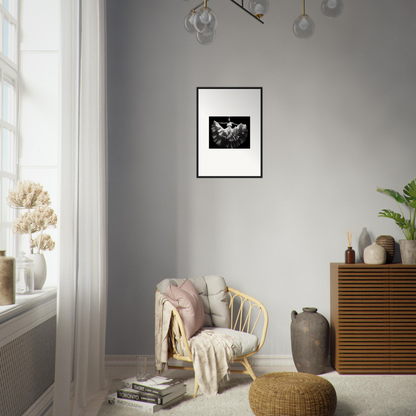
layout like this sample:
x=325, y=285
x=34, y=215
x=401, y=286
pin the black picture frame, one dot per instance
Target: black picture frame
x=229, y=132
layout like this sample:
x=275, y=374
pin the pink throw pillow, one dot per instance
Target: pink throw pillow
x=186, y=299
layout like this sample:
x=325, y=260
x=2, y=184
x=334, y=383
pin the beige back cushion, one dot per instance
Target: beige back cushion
x=212, y=290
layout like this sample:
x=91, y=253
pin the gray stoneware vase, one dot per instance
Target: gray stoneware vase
x=310, y=341
x=408, y=251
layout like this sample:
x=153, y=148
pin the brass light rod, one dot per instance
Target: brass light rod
x=199, y=5
x=251, y=14
x=241, y=6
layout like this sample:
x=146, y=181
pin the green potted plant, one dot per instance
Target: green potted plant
x=407, y=199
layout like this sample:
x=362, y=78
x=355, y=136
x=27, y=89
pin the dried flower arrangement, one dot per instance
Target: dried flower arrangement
x=39, y=216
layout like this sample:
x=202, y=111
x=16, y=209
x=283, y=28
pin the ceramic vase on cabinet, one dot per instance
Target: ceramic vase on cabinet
x=40, y=269
x=309, y=332
x=408, y=251
x=7, y=279
x=374, y=254
x=387, y=241
x=363, y=242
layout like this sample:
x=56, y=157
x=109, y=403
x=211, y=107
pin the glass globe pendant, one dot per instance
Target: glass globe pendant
x=304, y=26
x=205, y=21
x=258, y=7
x=205, y=39
x=332, y=8
x=189, y=22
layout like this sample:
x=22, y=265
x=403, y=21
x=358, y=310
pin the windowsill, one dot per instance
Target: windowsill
x=25, y=303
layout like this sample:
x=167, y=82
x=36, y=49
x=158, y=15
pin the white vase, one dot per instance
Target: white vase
x=40, y=269
x=374, y=254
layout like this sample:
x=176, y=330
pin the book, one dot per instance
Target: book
x=156, y=385
x=143, y=406
x=142, y=396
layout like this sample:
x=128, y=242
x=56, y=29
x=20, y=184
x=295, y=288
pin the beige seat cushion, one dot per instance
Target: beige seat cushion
x=243, y=343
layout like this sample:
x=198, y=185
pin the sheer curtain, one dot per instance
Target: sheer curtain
x=82, y=291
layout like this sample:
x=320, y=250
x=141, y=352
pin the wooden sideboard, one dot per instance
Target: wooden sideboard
x=373, y=318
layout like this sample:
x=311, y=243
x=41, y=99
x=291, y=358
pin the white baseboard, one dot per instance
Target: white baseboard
x=271, y=360
x=125, y=360
x=255, y=360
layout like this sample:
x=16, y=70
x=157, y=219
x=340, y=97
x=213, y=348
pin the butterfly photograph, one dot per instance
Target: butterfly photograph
x=229, y=132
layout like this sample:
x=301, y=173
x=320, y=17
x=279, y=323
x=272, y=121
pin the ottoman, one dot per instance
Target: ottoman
x=292, y=394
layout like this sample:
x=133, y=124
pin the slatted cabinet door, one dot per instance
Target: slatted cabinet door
x=373, y=325
x=402, y=320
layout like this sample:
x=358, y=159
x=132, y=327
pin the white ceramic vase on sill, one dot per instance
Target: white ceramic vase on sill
x=40, y=269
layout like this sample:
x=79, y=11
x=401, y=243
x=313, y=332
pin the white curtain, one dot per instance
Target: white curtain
x=82, y=291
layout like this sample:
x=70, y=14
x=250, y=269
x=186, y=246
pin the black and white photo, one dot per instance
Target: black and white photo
x=229, y=132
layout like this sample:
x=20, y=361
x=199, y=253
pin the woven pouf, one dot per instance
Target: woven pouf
x=292, y=394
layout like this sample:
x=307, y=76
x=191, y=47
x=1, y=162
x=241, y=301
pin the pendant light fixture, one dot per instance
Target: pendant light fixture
x=304, y=26
x=202, y=21
x=332, y=8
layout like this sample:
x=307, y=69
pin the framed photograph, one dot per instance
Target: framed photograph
x=229, y=132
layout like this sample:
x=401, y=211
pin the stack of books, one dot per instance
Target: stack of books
x=150, y=396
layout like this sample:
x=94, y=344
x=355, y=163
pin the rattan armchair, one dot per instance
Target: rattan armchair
x=245, y=313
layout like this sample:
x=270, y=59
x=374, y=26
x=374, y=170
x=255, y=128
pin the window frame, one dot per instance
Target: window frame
x=9, y=70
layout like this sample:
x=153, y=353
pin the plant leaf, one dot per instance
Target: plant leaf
x=400, y=221
x=409, y=192
x=396, y=195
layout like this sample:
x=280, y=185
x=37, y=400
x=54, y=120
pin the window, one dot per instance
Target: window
x=8, y=118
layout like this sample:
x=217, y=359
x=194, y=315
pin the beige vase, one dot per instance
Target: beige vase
x=374, y=254
x=408, y=251
x=7, y=279
x=40, y=269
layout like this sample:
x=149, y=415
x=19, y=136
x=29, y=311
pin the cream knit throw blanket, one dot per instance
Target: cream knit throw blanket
x=211, y=352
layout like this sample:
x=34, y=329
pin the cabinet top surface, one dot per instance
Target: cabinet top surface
x=378, y=266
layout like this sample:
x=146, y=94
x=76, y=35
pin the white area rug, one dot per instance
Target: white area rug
x=357, y=396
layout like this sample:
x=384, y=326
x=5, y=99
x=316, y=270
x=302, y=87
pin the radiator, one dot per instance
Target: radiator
x=27, y=366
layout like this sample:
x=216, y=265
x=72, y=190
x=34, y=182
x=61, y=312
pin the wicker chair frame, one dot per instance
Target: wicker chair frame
x=245, y=313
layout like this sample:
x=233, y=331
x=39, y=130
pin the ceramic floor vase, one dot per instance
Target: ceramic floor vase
x=40, y=269
x=7, y=279
x=309, y=332
x=408, y=251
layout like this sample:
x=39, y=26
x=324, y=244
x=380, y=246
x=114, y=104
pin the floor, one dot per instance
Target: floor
x=126, y=372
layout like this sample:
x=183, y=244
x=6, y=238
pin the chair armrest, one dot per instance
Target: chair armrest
x=244, y=323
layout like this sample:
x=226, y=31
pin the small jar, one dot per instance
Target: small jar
x=25, y=271
x=349, y=255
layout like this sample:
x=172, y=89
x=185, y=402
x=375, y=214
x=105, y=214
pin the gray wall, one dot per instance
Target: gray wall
x=339, y=120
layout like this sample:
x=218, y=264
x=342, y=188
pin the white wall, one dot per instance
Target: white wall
x=339, y=120
x=39, y=109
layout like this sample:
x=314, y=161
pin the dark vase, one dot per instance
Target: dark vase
x=387, y=241
x=309, y=332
